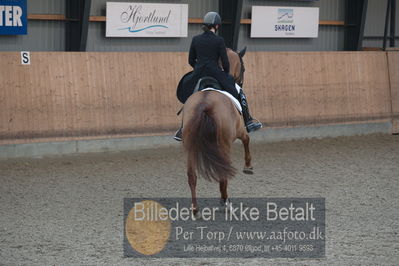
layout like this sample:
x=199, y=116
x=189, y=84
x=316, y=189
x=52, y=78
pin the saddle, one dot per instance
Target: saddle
x=206, y=83
x=211, y=84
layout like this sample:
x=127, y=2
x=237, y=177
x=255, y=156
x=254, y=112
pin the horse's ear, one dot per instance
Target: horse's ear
x=242, y=52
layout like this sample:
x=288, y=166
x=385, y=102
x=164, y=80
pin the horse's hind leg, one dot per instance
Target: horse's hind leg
x=192, y=182
x=248, y=169
x=223, y=190
x=224, y=200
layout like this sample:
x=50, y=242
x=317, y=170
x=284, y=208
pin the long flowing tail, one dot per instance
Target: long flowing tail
x=201, y=143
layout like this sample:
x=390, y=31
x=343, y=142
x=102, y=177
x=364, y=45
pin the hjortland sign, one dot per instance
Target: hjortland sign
x=146, y=20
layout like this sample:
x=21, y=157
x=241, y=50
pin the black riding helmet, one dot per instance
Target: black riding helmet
x=212, y=19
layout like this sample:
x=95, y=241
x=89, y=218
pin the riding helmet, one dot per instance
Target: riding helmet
x=212, y=19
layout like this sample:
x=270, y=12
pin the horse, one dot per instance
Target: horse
x=211, y=124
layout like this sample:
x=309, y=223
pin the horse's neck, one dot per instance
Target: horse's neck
x=235, y=63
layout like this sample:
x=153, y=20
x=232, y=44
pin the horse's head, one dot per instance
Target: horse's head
x=237, y=68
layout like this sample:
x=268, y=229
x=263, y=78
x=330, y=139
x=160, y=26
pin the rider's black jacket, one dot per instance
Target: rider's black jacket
x=205, y=51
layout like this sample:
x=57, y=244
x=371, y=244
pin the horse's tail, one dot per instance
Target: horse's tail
x=201, y=143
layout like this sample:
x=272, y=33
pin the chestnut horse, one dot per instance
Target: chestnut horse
x=211, y=124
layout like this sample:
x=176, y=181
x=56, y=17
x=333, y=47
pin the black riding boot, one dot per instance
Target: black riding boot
x=250, y=123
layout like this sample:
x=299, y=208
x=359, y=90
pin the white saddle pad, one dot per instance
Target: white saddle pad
x=234, y=100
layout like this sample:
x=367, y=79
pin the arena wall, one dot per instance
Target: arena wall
x=67, y=96
x=393, y=59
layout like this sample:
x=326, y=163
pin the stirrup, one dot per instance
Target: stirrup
x=253, y=125
x=178, y=135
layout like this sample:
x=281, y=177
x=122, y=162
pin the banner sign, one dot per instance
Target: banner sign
x=146, y=20
x=13, y=17
x=244, y=228
x=284, y=22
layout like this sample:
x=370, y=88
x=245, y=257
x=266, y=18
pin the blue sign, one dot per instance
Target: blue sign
x=13, y=17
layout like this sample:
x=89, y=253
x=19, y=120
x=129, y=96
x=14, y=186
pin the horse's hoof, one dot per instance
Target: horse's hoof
x=196, y=216
x=228, y=205
x=248, y=170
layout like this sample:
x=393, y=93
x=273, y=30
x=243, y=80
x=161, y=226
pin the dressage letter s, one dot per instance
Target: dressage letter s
x=25, y=58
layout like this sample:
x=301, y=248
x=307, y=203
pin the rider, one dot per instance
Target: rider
x=205, y=51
